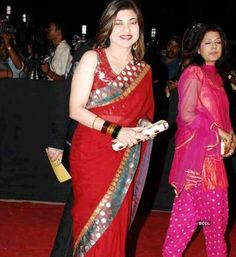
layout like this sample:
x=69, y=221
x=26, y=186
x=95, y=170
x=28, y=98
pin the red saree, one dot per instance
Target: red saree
x=107, y=185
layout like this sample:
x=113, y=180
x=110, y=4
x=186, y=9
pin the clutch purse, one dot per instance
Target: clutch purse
x=150, y=131
x=60, y=171
x=222, y=146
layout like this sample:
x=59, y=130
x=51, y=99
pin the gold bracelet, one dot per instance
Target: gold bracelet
x=110, y=129
x=231, y=140
x=94, y=121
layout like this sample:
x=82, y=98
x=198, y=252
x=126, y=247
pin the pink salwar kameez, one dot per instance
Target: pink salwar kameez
x=203, y=108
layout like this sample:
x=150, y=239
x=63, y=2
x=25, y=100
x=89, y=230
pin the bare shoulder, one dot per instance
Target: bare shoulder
x=89, y=56
x=88, y=61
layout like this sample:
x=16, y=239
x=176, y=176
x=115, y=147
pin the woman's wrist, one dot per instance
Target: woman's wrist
x=111, y=129
x=93, y=123
x=108, y=128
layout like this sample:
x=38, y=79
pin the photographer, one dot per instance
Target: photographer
x=32, y=53
x=10, y=58
x=57, y=68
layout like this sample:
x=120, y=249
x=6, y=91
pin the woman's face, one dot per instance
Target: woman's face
x=211, y=47
x=126, y=29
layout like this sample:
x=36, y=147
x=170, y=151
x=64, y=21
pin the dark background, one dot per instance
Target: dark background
x=26, y=111
x=167, y=16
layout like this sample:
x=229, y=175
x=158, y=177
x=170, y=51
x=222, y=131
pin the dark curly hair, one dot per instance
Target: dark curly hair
x=192, y=39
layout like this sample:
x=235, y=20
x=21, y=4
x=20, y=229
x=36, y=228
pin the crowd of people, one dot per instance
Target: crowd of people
x=43, y=56
x=115, y=91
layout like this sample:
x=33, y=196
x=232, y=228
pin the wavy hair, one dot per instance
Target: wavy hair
x=106, y=25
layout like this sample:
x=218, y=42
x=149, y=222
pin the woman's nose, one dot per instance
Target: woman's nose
x=213, y=45
x=127, y=27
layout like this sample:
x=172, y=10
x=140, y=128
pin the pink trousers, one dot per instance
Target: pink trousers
x=208, y=208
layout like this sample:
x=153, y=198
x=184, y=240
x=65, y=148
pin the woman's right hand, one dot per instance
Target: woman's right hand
x=55, y=155
x=131, y=136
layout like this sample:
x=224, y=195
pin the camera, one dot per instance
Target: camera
x=45, y=59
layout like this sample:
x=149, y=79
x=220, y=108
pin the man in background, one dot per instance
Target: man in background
x=59, y=64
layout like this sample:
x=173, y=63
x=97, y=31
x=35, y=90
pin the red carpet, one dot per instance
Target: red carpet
x=28, y=229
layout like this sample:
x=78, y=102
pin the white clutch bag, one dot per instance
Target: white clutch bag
x=150, y=131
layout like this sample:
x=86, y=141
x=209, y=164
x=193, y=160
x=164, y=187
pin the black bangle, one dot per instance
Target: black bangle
x=105, y=125
x=116, y=131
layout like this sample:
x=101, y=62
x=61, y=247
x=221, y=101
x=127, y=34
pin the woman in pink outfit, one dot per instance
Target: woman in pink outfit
x=198, y=174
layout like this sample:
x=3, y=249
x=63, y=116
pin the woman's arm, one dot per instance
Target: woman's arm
x=188, y=88
x=15, y=57
x=80, y=90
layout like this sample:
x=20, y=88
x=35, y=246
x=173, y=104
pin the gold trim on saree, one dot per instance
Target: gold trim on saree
x=105, y=212
x=120, y=87
x=133, y=85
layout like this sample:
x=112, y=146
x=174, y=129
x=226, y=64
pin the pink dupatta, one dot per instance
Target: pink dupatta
x=203, y=107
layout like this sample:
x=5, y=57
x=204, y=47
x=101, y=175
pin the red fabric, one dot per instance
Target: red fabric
x=113, y=243
x=94, y=162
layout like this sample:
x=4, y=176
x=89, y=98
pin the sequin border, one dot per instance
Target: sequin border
x=113, y=93
x=110, y=203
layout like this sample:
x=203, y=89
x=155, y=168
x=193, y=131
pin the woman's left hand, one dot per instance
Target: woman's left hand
x=232, y=146
x=230, y=142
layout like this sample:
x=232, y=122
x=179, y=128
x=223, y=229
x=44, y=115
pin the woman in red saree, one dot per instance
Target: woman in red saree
x=198, y=173
x=111, y=98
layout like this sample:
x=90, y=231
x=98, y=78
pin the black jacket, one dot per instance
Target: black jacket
x=62, y=127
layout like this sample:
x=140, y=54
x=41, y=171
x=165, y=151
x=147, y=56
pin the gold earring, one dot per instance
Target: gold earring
x=134, y=46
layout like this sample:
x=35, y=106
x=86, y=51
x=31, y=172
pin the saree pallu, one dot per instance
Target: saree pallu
x=107, y=185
